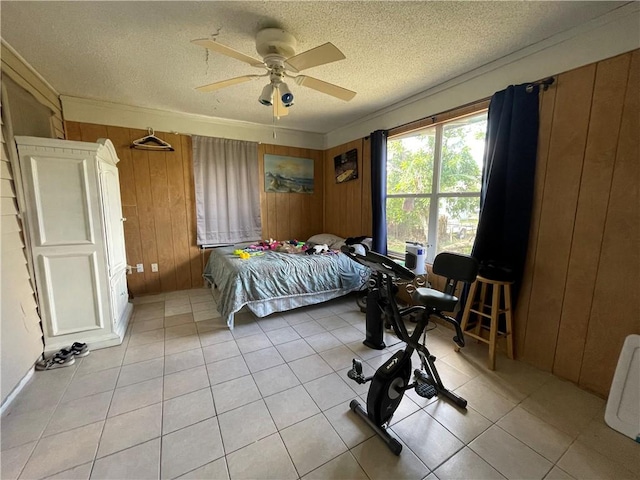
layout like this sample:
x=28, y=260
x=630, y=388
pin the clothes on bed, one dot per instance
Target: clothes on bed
x=288, y=246
x=365, y=241
x=318, y=249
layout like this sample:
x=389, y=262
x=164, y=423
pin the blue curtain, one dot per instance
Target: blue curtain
x=507, y=182
x=379, y=190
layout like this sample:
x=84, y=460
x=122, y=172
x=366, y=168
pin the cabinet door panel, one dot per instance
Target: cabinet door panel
x=119, y=296
x=71, y=297
x=60, y=190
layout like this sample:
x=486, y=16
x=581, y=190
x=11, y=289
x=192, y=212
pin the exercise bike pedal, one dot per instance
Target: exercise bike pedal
x=425, y=390
x=356, y=372
x=423, y=385
x=422, y=377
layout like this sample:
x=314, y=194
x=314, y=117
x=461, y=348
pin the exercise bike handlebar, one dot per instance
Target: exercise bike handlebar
x=388, y=271
x=379, y=263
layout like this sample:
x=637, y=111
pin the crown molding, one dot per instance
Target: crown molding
x=108, y=113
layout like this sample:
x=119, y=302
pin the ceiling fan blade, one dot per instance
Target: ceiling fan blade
x=227, y=83
x=228, y=51
x=321, y=55
x=325, y=87
x=279, y=110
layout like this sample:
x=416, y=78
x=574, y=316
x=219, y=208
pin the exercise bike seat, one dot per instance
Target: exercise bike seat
x=435, y=299
x=454, y=267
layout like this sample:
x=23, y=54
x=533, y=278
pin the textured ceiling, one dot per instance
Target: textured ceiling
x=139, y=53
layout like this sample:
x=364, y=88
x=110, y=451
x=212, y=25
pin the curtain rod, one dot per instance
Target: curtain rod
x=460, y=111
x=545, y=82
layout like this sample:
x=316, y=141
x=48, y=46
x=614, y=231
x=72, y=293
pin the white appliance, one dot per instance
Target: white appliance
x=415, y=258
x=76, y=233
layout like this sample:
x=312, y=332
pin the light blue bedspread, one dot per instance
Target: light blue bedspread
x=275, y=282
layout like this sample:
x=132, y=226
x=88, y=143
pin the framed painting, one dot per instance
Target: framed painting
x=288, y=174
x=346, y=166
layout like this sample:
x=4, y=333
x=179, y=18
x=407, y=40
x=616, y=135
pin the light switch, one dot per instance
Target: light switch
x=140, y=268
x=154, y=267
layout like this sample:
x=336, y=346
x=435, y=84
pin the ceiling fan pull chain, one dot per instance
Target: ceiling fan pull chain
x=213, y=38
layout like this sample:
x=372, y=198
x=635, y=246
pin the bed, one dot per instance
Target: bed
x=275, y=281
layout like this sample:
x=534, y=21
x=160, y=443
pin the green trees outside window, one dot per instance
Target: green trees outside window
x=433, y=186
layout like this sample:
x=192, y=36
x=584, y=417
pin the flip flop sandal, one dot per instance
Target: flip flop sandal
x=63, y=358
x=79, y=349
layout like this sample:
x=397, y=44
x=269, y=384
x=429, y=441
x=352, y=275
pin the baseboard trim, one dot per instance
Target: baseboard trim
x=17, y=389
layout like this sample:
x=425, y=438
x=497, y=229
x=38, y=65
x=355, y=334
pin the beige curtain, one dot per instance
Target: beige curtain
x=227, y=191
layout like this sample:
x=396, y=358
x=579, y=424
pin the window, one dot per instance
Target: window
x=433, y=186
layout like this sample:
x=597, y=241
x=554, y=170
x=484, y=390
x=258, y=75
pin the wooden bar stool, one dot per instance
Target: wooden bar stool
x=475, y=329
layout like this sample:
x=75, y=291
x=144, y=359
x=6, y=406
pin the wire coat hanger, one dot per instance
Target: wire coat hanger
x=151, y=142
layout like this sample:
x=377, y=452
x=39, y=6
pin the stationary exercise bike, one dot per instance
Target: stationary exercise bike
x=392, y=379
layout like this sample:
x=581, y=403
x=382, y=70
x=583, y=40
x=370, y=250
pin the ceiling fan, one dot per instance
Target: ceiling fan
x=277, y=49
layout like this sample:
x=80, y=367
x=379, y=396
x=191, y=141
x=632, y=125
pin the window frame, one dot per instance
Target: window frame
x=435, y=195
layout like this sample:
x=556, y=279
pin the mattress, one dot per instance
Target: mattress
x=275, y=282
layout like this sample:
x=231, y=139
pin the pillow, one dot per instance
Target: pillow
x=332, y=241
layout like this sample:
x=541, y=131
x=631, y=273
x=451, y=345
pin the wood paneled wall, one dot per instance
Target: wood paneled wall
x=580, y=298
x=287, y=216
x=158, y=201
x=347, y=206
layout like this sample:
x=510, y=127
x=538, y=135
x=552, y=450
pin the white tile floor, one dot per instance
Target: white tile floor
x=270, y=400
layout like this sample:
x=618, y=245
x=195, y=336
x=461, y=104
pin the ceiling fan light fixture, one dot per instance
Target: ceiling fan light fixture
x=266, y=97
x=285, y=95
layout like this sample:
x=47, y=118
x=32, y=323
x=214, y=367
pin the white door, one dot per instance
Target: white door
x=66, y=240
x=113, y=217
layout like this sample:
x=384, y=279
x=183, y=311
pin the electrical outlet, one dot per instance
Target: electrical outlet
x=140, y=268
x=154, y=267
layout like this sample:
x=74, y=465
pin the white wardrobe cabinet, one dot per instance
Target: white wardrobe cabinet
x=76, y=235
